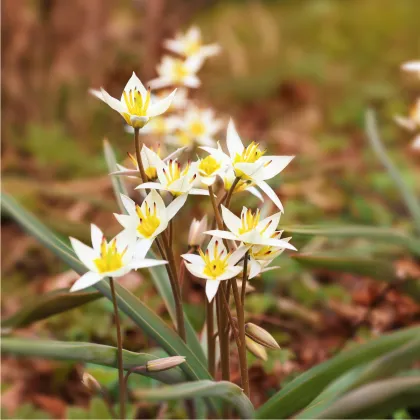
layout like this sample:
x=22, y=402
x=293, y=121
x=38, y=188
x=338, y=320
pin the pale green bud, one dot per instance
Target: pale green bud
x=256, y=349
x=261, y=336
x=91, y=383
x=165, y=363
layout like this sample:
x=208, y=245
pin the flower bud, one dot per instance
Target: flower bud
x=91, y=383
x=261, y=336
x=256, y=349
x=165, y=363
x=197, y=229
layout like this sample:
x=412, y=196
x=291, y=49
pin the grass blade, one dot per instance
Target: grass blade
x=86, y=353
x=227, y=391
x=302, y=390
x=408, y=197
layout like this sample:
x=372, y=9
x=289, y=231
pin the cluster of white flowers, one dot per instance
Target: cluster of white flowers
x=242, y=168
x=412, y=121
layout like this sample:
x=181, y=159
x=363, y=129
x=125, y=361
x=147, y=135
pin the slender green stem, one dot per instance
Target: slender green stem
x=120, y=349
x=139, y=146
x=211, y=342
x=244, y=278
x=230, y=193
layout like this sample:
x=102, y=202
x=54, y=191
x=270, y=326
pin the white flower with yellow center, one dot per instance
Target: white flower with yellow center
x=189, y=44
x=208, y=169
x=250, y=230
x=147, y=221
x=250, y=163
x=196, y=126
x=150, y=160
x=196, y=233
x=176, y=72
x=214, y=265
x=108, y=259
x=135, y=105
x=175, y=179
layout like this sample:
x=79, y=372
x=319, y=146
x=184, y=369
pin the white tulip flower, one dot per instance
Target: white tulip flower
x=250, y=230
x=108, y=259
x=214, y=265
x=147, y=221
x=208, y=169
x=176, y=72
x=196, y=233
x=189, y=44
x=250, y=163
x=135, y=105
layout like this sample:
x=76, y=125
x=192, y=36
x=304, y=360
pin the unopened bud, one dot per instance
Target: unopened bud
x=165, y=363
x=261, y=336
x=197, y=229
x=91, y=383
x=256, y=349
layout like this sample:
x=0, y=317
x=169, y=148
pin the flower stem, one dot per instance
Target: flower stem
x=119, y=346
x=217, y=215
x=139, y=146
x=230, y=193
x=232, y=322
x=211, y=342
x=223, y=337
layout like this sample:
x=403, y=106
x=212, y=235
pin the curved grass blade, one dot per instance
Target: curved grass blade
x=144, y=318
x=408, y=197
x=374, y=268
x=385, y=366
x=158, y=274
x=376, y=400
x=301, y=391
x=391, y=236
x=227, y=391
x=47, y=305
x=86, y=353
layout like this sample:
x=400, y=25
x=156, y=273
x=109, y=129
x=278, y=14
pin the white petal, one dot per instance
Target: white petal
x=232, y=221
x=210, y=50
x=230, y=273
x=222, y=234
x=281, y=243
x=160, y=82
x=142, y=248
x=273, y=165
x=126, y=221
x=233, y=141
x=115, y=104
x=274, y=222
x=96, y=236
x=97, y=94
x=133, y=84
x=144, y=263
x=198, y=191
x=416, y=143
x=129, y=204
x=193, y=259
x=220, y=245
x=193, y=64
x=175, y=154
x=254, y=268
x=238, y=254
x=175, y=206
x=85, y=254
x=256, y=193
x=174, y=46
x=411, y=66
x=271, y=194
x=151, y=185
x=161, y=106
x=192, y=81
x=211, y=288
x=87, y=280
x=196, y=271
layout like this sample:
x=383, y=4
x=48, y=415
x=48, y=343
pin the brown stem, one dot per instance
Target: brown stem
x=244, y=279
x=139, y=146
x=217, y=215
x=223, y=338
x=119, y=346
x=232, y=322
x=211, y=342
x=230, y=193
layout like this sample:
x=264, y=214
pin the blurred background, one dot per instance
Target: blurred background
x=298, y=75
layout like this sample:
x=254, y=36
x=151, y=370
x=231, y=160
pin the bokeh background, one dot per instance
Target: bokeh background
x=298, y=75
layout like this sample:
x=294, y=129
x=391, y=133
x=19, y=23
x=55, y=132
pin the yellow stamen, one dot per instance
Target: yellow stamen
x=249, y=155
x=216, y=266
x=197, y=128
x=208, y=166
x=149, y=221
x=134, y=102
x=249, y=221
x=179, y=71
x=110, y=259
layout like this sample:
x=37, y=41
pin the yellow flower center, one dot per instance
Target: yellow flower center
x=197, y=128
x=184, y=138
x=208, y=166
x=216, y=264
x=249, y=221
x=174, y=171
x=192, y=47
x=179, y=71
x=135, y=105
x=149, y=221
x=264, y=252
x=242, y=185
x=249, y=155
x=110, y=259
x=150, y=170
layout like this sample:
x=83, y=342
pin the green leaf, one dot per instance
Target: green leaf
x=408, y=196
x=390, y=236
x=144, y=318
x=158, y=274
x=384, y=366
x=302, y=390
x=376, y=400
x=86, y=353
x=374, y=268
x=49, y=304
x=227, y=391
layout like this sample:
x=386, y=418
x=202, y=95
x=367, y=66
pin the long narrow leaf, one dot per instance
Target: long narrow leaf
x=86, y=353
x=47, y=305
x=300, y=392
x=227, y=391
x=376, y=400
x=384, y=366
x=408, y=197
x=159, y=275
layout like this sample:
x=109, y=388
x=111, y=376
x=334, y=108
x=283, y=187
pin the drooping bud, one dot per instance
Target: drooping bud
x=93, y=386
x=256, y=349
x=261, y=336
x=165, y=363
x=196, y=235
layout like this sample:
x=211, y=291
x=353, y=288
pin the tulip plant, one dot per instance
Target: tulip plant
x=225, y=250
